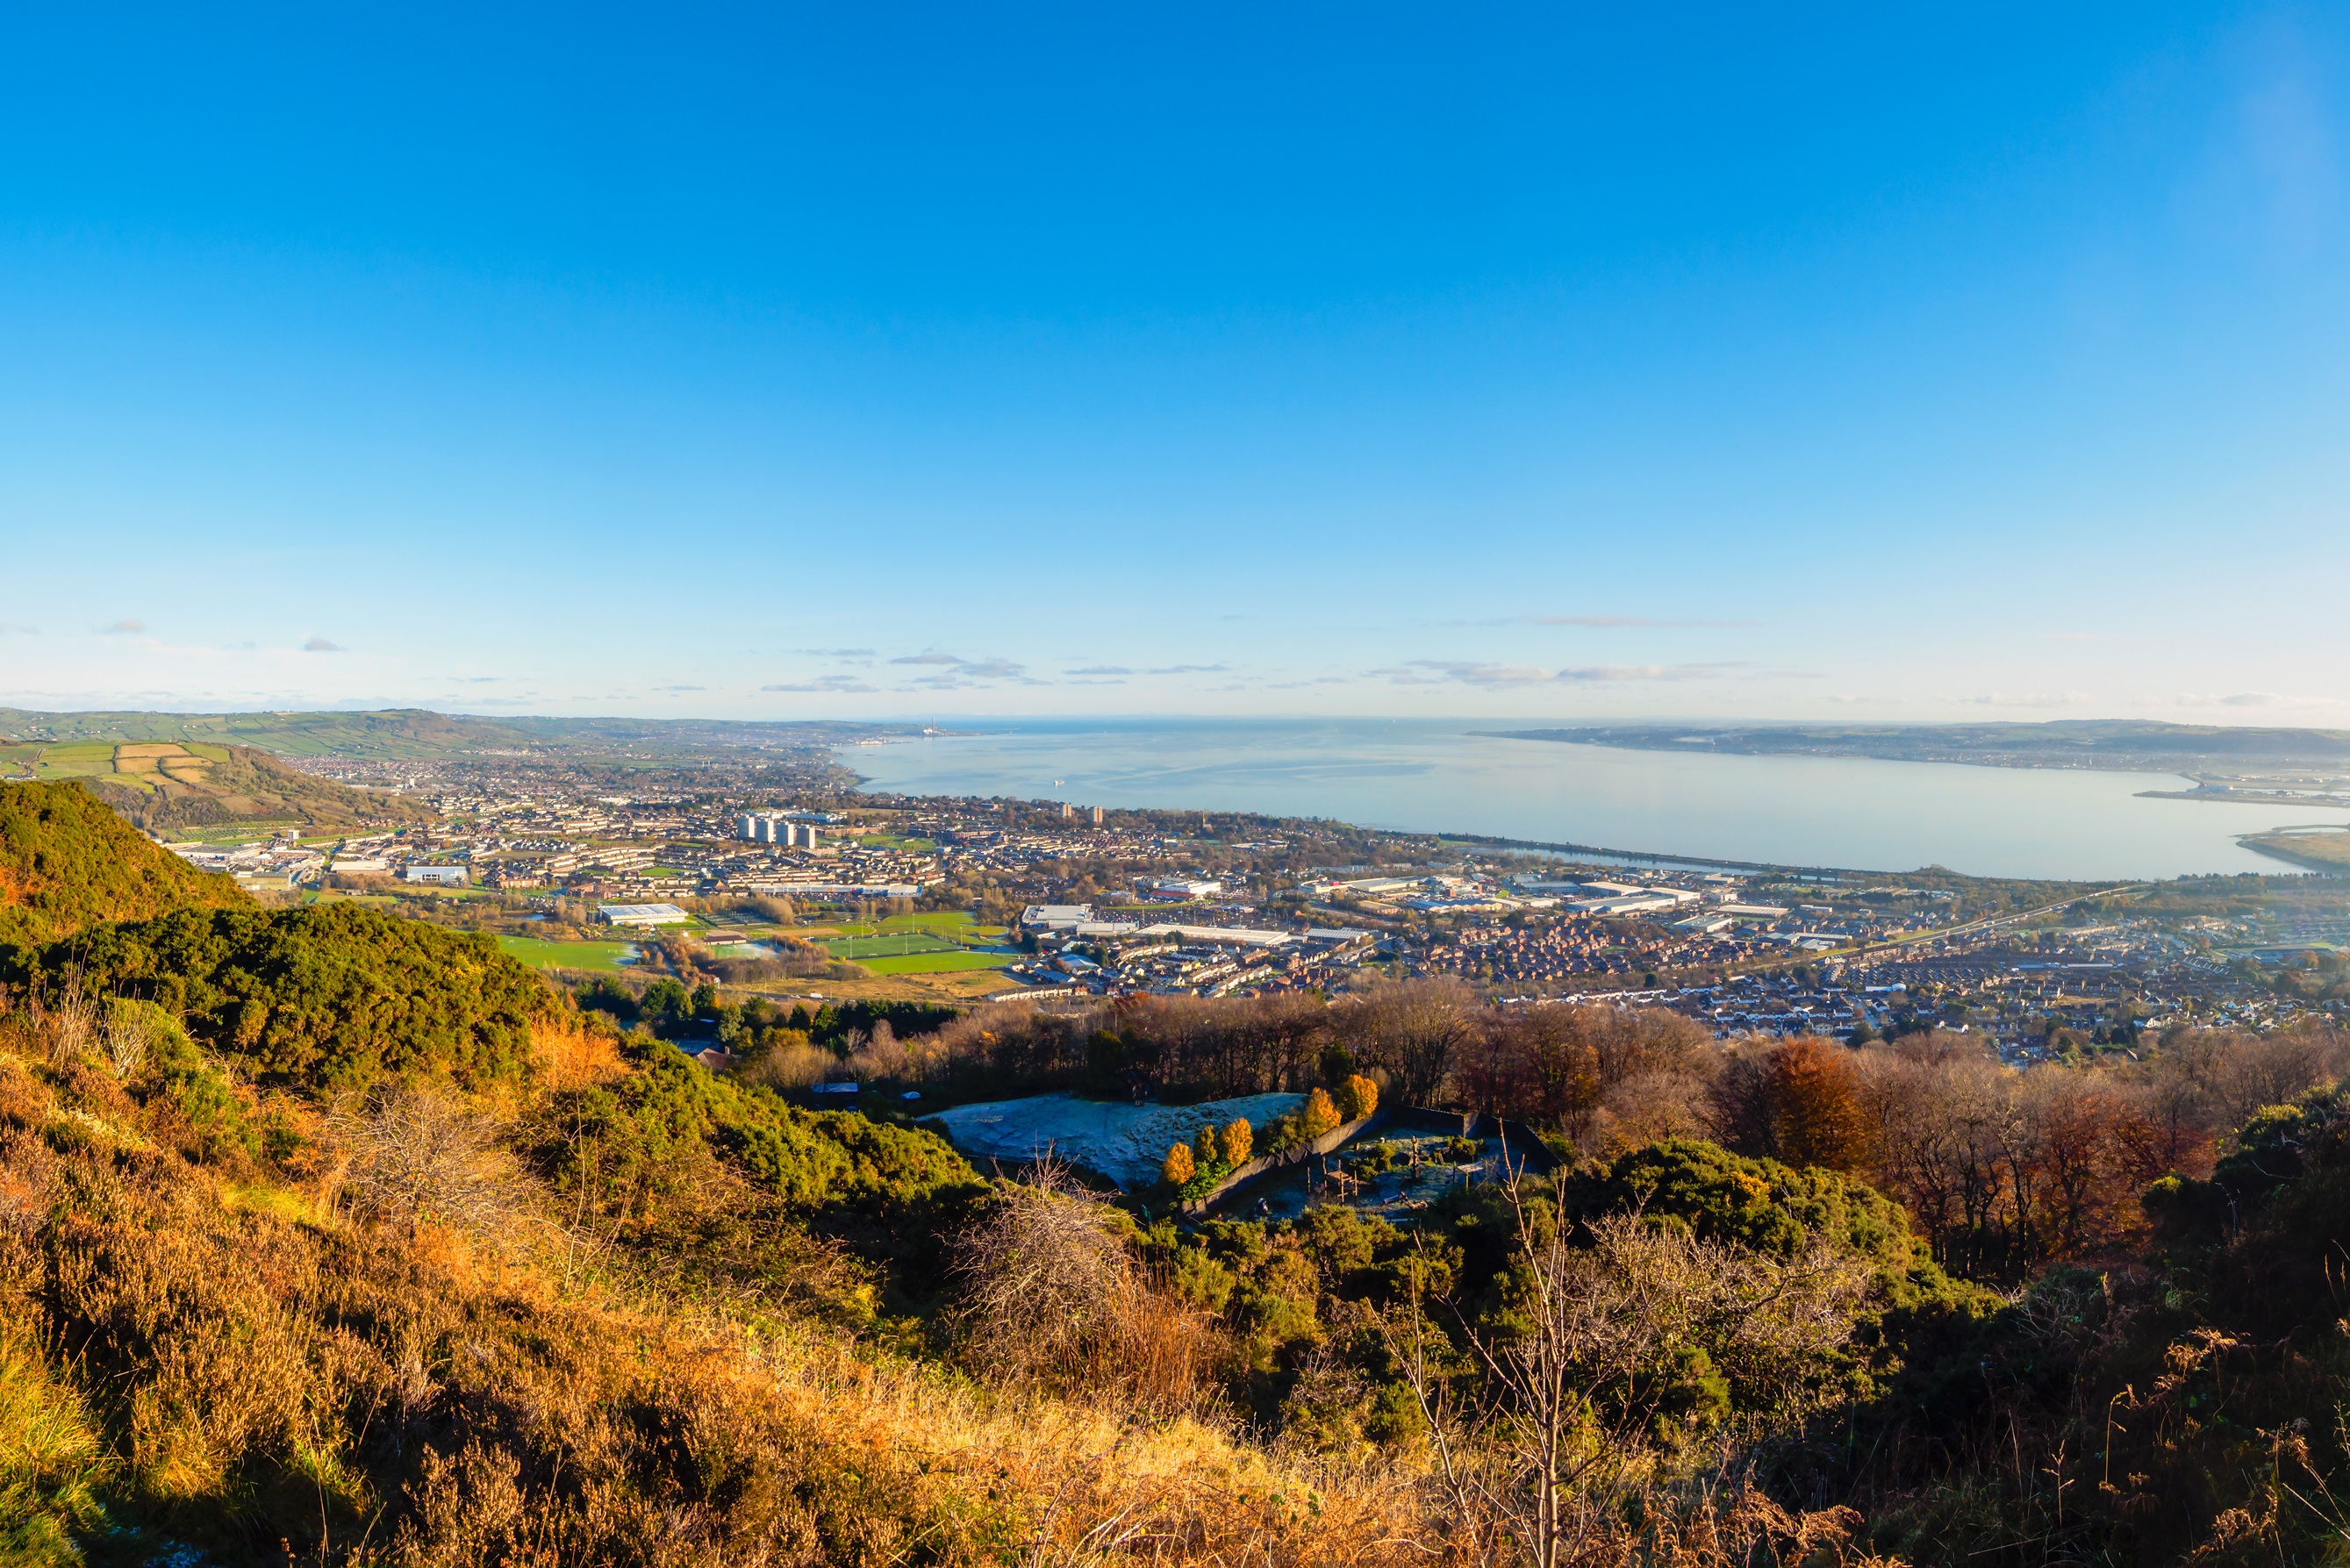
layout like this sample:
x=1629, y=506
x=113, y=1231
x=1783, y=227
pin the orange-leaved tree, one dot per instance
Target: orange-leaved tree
x=1320, y=1115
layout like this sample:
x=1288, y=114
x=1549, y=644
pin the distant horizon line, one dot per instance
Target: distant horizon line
x=947, y=722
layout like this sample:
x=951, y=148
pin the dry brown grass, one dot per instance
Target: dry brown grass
x=371, y=1393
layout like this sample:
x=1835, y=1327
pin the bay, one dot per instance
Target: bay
x=1436, y=775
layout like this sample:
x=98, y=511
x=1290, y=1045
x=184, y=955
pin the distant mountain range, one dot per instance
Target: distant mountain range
x=2118, y=743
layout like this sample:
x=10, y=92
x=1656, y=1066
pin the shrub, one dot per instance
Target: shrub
x=1207, y=1149
x=1358, y=1097
x=1236, y=1141
x=1178, y=1168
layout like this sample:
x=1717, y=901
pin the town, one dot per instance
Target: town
x=783, y=878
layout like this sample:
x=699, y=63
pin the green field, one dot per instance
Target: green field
x=944, y=933
x=937, y=964
x=543, y=954
x=895, y=945
x=953, y=921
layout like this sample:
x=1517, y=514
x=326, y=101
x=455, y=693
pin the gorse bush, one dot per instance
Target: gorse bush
x=333, y=996
x=69, y=863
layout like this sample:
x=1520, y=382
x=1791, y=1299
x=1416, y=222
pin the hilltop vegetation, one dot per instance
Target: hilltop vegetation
x=331, y=996
x=68, y=863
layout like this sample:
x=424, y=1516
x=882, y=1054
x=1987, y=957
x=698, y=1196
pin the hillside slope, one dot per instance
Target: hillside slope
x=167, y=787
x=68, y=863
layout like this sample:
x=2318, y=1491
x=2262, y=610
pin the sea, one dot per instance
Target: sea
x=1455, y=776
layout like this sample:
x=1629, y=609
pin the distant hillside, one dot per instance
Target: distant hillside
x=417, y=732
x=68, y=863
x=167, y=787
x=2120, y=743
x=397, y=732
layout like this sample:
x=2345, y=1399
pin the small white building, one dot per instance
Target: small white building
x=440, y=875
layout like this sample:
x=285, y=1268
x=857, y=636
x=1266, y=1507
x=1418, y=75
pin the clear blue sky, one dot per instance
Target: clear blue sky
x=1882, y=361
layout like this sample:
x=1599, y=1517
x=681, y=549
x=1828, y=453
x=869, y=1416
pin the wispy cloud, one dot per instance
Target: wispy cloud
x=2027, y=699
x=1434, y=671
x=320, y=645
x=2245, y=699
x=954, y=671
x=126, y=628
x=1100, y=669
x=1622, y=620
x=835, y=652
x=680, y=688
x=823, y=683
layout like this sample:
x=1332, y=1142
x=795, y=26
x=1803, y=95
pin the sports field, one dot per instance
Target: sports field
x=942, y=935
x=542, y=954
x=896, y=944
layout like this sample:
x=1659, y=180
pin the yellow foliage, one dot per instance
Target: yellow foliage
x=1320, y=1115
x=1359, y=1097
x=1180, y=1166
x=1238, y=1140
x=568, y=1056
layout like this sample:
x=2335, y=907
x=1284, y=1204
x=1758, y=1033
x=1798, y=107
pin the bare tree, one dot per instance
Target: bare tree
x=128, y=1037
x=1414, y=1031
x=1563, y=1440
x=420, y=1154
x=1044, y=1273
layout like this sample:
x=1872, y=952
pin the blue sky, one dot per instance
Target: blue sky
x=1873, y=363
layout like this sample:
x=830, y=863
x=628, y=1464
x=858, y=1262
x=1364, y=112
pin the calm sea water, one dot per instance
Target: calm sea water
x=1441, y=775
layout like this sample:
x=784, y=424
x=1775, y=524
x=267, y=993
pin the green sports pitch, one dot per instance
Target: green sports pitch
x=894, y=944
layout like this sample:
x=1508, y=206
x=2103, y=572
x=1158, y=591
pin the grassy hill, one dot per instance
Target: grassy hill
x=169, y=788
x=68, y=863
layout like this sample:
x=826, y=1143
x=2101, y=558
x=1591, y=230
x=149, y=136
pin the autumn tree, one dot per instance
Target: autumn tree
x=1320, y=1115
x=1179, y=1166
x=1814, y=1092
